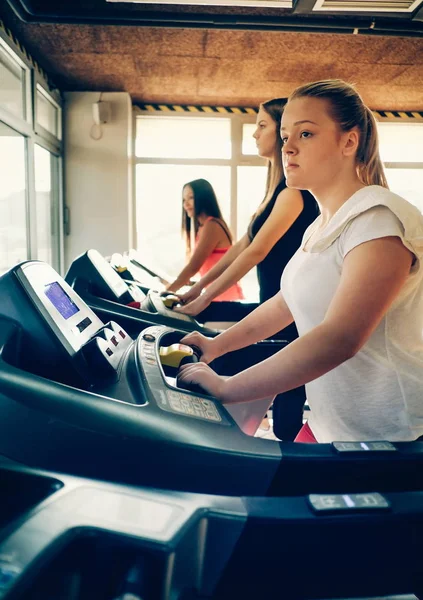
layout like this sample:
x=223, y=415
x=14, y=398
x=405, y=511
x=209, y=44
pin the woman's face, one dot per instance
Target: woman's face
x=265, y=134
x=188, y=200
x=312, y=151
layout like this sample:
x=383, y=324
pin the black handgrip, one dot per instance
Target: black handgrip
x=187, y=360
x=190, y=386
x=197, y=351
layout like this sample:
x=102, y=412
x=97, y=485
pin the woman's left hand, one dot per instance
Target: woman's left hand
x=203, y=375
x=195, y=307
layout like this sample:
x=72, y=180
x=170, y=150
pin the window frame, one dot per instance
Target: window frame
x=236, y=160
x=417, y=165
x=52, y=97
x=33, y=134
x=20, y=60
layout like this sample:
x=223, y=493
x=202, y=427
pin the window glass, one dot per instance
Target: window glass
x=159, y=209
x=12, y=88
x=181, y=137
x=401, y=142
x=47, y=112
x=13, y=225
x=45, y=206
x=248, y=142
x=408, y=183
x=251, y=188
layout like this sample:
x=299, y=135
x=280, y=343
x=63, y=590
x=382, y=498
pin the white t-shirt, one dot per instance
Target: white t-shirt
x=378, y=393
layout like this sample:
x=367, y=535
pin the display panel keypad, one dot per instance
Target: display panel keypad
x=168, y=399
x=189, y=405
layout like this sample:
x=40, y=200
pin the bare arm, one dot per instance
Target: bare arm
x=288, y=207
x=372, y=276
x=226, y=260
x=267, y=319
x=208, y=240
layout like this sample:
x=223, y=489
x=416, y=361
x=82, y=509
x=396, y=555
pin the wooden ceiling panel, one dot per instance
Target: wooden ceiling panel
x=404, y=98
x=410, y=76
x=374, y=50
x=156, y=88
x=222, y=67
x=352, y=72
x=232, y=71
x=154, y=41
x=252, y=95
x=61, y=39
x=292, y=71
x=98, y=64
x=177, y=67
x=321, y=47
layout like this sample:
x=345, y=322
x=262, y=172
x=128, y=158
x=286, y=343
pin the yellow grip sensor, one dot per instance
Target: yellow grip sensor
x=170, y=301
x=177, y=354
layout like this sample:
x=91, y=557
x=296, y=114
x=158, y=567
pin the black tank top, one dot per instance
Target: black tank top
x=269, y=270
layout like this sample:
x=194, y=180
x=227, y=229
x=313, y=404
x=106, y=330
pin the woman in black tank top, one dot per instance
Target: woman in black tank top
x=275, y=231
x=274, y=235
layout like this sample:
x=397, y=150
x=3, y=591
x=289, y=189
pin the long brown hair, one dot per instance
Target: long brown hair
x=348, y=110
x=274, y=108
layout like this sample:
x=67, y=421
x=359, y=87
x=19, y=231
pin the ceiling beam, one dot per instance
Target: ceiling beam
x=302, y=21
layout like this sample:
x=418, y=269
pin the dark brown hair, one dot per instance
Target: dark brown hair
x=205, y=202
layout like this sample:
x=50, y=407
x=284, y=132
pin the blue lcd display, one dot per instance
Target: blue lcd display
x=60, y=300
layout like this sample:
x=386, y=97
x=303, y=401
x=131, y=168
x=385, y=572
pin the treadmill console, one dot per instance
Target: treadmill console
x=62, y=338
x=99, y=274
x=72, y=321
x=161, y=381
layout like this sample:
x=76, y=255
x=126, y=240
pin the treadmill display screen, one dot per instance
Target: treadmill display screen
x=60, y=300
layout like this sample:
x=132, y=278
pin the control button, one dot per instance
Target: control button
x=82, y=325
x=114, y=340
x=175, y=404
x=381, y=446
x=122, y=334
x=347, y=502
x=213, y=415
x=109, y=352
x=207, y=403
x=148, y=337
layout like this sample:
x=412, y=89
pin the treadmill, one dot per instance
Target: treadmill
x=74, y=538
x=116, y=483
x=132, y=267
x=114, y=297
x=83, y=397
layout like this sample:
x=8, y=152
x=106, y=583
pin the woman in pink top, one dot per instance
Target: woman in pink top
x=213, y=239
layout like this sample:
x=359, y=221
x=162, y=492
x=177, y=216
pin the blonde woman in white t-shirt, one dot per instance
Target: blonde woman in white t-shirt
x=354, y=287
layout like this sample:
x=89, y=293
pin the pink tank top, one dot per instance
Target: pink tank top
x=235, y=291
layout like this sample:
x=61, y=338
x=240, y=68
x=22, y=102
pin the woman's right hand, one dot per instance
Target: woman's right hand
x=191, y=294
x=204, y=344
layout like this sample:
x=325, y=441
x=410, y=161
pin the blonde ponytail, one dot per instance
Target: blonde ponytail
x=369, y=165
